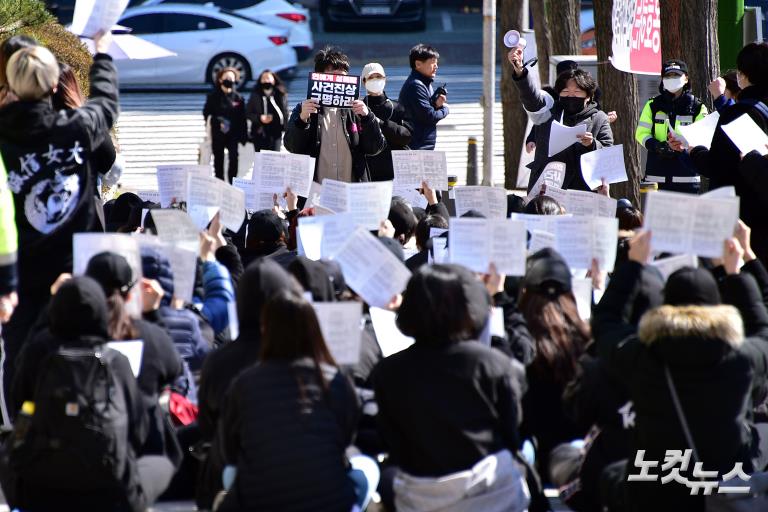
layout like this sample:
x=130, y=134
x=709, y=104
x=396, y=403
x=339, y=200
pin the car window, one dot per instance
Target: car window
x=225, y=4
x=179, y=22
x=143, y=24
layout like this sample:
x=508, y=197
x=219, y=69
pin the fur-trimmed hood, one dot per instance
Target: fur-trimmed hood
x=707, y=322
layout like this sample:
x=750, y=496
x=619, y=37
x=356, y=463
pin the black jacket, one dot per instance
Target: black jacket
x=721, y=162
x=265, y=136
x=397, y=129
x=287, y=435
x=715, y=368
x=227, y=114
x=363, y=136
x=416, y=99
x=48, y=158
x=444, y=408
x=542, y=114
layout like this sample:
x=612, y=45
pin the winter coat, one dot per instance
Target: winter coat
x=287, y=436
x=363, y=135
x=543, y=110
x=48, y=158
x=227, y=114
x=467, y=409
x=416, y=99
x=218, y=294
x=78, y=318
x=721, y=162
x=397, y=129
x=267, y=136
x=717, y=356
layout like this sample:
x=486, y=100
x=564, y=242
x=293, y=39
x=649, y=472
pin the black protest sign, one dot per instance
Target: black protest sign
x=333, y=90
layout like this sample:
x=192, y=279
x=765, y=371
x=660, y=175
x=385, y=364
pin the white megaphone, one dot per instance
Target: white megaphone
x=513, y=39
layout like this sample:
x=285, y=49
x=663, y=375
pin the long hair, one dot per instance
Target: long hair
x=119, y=323
x=68, y=93
x=291, y=331
x=561, y=335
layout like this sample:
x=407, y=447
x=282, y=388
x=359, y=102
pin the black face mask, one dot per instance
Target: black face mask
x=227, y=83
x=266, y=87
x=571, y=105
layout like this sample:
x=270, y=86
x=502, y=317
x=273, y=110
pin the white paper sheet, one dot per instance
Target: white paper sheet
x=533, y=223
x=490, y=201
x=206, y=195
x=591, y=204
x=688, y=224
x=606, y=163
x=176, y=227
x=413, y=196
x=93, y=16
x=368, y=203
x=390, y=339
x=172, y=182
x=322, y=237
x=582, y=291
x=370, y=269
x=439, y=252
x=541, y=240
x=562, y=137
x=580, y=239
x=413, y=167
x=721, y=192
x=149, y=195
x=701, y=132
x=314, y=194
x=746, y=135
x=667, y=266
x=133, y=350
x=274, y=172
x=553, y=175
x=256, y=199
x=341, y=325
x=475, y=243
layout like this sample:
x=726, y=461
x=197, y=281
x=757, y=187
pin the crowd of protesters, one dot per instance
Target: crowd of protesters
x=236, y=400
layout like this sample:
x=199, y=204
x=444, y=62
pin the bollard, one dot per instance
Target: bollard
x=646, y=188
x=472, y=161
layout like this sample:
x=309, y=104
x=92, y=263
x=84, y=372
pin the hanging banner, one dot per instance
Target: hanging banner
x=636, y=45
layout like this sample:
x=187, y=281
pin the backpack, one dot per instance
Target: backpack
x=77, y=438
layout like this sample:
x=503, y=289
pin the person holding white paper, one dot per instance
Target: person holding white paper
x=574, y=105
x=721, y=162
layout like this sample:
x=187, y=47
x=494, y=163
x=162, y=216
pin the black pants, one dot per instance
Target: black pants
x=269, y=144
x=687, y=188
x=218, y=144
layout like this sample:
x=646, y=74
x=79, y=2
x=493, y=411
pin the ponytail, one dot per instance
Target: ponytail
x=120, y=325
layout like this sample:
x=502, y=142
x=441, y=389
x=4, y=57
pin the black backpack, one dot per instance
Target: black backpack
x=77, y=438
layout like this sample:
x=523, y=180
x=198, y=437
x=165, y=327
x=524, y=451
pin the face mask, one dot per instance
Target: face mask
x=227, y=83
x=572, y=105
x=266, y=87
x=673, y=84
x=375, y=86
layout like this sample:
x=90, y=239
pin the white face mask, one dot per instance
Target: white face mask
x=674, y=84
x=375, y=86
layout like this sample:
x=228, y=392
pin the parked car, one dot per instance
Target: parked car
x=205, y=40
x=275, y=13
x=338, y=14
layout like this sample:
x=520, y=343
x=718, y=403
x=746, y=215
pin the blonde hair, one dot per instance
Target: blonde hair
x=32, y=73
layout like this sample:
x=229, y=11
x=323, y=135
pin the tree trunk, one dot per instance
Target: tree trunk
x=515, y=118
x=620, y=93
x=564, y=19
x=543, y=38
x=689, y=32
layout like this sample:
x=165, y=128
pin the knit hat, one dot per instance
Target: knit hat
x=691, y=286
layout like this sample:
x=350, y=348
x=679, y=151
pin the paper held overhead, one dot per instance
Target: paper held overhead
x=746, y=135
x=130, y=47
x=562, y=137
x=701, y=132
x=93, y=16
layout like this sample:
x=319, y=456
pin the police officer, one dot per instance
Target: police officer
x=676, y=106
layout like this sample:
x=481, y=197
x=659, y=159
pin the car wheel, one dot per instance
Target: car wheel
x=229, y=60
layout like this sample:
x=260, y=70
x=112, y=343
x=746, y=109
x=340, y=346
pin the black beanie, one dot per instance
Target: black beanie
x=691, y=286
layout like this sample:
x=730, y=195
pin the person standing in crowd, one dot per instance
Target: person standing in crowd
x=676, y=106
x=463, y=418
x=48, y=158
x=225, y=109
x=8, y=48
x=9, y=245
x=392, y=119
x=725, y=89
x=338, y=138
x=268, y=111
x=574, y=105
x=418, y=98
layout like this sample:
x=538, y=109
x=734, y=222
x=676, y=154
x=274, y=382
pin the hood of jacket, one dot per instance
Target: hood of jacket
x=691, y=335
x=78, y=312
x=314, y=278
x=260, y=281
x=24, y=120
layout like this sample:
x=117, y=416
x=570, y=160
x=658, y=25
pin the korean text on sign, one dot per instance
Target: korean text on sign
x=332, y=90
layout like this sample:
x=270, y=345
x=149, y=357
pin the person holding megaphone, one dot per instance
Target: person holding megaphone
x=572, y=105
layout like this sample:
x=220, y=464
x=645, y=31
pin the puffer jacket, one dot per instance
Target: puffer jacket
x=717, y=356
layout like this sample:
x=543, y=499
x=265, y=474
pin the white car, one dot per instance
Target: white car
x=205, y=40
x=276, y=13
